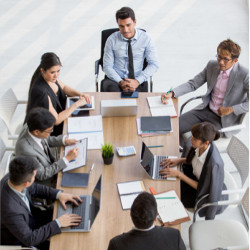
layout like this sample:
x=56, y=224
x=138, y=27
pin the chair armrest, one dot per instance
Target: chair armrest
x=189, y=100
x=22, y=101
x=232, y=128
x=97, y=63
x=12, y=137
x=151, y=84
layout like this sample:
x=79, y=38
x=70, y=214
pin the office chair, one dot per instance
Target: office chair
x=218, y=233
x=104, y=36
x=223, y=141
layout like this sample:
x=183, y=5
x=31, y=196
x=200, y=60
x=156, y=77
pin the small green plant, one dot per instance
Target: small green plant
x=107, y=150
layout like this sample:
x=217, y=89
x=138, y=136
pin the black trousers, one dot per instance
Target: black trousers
x=108, y=85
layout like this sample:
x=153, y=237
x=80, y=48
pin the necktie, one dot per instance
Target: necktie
x=131, y=74
x=47, y=151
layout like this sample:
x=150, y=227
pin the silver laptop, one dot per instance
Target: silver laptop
x=151, y=163
x=88, y=209
x=122, y=107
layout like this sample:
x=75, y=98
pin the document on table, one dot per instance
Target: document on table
x=81, y=158
x=128, y=191
x=157, y=108
x=89, y=127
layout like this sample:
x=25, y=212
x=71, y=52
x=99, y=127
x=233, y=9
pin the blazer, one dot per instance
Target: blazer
x=38, y=97
x=236, y=96
x=26, y=146
x=17, y=227
x=157, y=238
x=211, y=182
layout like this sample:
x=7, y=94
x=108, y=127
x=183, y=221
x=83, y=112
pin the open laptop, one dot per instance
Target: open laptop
x=151, y=163
x=88, y=209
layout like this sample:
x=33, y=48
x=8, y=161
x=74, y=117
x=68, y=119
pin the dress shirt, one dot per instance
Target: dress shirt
x=39, y=143
x=219, y=90
x=115, y=59
x=198, y=162
x=147, y=229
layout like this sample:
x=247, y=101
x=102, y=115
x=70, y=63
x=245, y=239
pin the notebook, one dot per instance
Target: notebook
x=156, y=123
x=151, y=163
x=88, y=209
x=128, y=191
x=170, y=208
x=75, y=179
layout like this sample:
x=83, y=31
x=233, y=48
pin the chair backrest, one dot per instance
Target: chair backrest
x=245, y=202
x=239, y=154
x=104, y=37
x=8, y=104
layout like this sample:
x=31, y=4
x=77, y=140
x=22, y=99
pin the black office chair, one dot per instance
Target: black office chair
x=99, y=62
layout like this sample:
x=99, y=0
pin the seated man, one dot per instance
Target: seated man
x=124, y=55
x=34, y=140
x=145, y=235
x=227, y=94
x=21, y=222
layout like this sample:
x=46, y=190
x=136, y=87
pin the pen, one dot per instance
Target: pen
x=156, y=146
x=92, y=167
x=161, y=198
x=167, y=93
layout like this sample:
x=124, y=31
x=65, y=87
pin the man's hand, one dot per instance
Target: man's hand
x=124, y=85
x=65, y=197
x=72, y=154
x=132, y=84
x=70, y=141
x=222, y=111
x=165, y=97
x=68, y=220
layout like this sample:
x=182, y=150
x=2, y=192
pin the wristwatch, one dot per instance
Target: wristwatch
x=173, y=94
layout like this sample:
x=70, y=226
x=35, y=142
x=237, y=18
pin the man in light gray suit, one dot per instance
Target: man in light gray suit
x=35, y=140
x=227, y=97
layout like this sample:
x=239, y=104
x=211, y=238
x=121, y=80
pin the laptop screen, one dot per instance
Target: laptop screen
x=147, y=159
x=96, y=201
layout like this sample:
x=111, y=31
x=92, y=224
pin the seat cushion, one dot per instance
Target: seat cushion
x=211, y=234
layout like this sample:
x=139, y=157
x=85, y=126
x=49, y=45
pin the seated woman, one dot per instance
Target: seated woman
x=47, y=91
x=203, y=170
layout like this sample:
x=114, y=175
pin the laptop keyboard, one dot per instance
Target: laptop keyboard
x=80, y=210
x=158, y=160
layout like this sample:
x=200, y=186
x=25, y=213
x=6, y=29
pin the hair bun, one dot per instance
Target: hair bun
x=217, y=135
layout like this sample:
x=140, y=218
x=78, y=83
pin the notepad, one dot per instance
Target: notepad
x=128, y=191
x=157, y=108
x=170, y=208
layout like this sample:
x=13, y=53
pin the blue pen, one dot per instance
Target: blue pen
x=156, y=146
x=72, y=160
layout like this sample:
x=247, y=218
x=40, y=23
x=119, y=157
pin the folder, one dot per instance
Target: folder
x=75, y=179
x=156, y=123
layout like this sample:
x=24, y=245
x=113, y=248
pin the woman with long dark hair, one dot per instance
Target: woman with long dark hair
x=203, y=170
x=47, y=91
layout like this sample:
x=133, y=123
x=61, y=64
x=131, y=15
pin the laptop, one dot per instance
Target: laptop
x=122, y=107
x=151, y=163
x=88, y=209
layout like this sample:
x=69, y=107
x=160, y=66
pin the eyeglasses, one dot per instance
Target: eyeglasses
x=48, y=132
x=225, y=60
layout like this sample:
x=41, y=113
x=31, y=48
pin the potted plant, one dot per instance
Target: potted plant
x=107, y=153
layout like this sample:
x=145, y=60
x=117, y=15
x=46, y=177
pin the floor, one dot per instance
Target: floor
x=185, y=32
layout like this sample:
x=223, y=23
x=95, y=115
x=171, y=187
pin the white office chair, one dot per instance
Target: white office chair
x=224, y=234
x=8, y=106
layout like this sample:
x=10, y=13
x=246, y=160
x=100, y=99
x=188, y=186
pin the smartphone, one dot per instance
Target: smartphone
x=129, y=94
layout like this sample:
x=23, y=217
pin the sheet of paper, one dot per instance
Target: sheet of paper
x=95, y=140
x=81, y=158
x=170, y=209
x=127, y=200
x=85, y=124
x=130, y=187
x=157, y=108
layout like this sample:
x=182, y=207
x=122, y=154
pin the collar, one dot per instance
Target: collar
x=37, y=140
x=135, y=37
x=204, y=154
x=228, y=71
x=147, y=229
x=21, y=194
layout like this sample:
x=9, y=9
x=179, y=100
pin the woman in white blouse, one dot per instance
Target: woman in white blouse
x=203, y=170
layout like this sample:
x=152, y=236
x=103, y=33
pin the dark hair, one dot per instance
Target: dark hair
x=21, y=169
x=48, y=60
x=40, y=118
x=125, y=12
x=204, y=131
x=144, y=210
x=232, y=47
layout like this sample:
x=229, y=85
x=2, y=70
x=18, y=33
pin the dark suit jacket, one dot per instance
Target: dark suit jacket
x=157, y=238
x=17, y=223
x=236, y=96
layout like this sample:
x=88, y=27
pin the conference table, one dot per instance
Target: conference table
x=119, y=131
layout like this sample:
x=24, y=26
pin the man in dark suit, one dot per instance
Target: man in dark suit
x=35, y=140
x=145, y=235
x=21, y=222
x=227, y=96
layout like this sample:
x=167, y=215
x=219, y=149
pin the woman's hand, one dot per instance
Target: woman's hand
x=165, y=97
x=170, y=162
x=86, y=97
x=170, y=172
x=81, y=102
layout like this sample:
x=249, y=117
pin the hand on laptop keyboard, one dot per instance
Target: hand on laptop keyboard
x=68, y=220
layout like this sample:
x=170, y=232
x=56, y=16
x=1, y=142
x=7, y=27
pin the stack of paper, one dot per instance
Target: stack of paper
x=87, y=127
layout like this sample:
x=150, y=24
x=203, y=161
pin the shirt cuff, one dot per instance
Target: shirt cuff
x=58, y=223
x=140, y=79
x=57, y=195
x=65, y=160
x=64, y=138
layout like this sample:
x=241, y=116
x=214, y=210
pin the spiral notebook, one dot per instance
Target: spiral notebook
x=128, y=191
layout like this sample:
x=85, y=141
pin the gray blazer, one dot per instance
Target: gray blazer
x=236, y=95
x=28, y=147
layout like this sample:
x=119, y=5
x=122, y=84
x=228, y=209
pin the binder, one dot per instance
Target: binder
x=156, y=123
